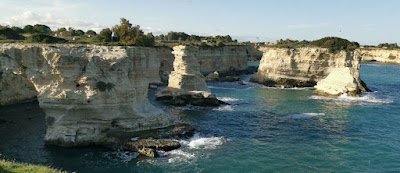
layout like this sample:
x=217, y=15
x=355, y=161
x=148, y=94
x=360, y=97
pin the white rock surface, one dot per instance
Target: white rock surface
x=85, y=91
x=303, y=67
x=338, y=82
x=380, y=55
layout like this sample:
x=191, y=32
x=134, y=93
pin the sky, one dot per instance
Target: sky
x=368, y=22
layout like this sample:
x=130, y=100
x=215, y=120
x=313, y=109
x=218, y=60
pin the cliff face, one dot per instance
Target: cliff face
x=86, y=92
x=380, y=55
x=160, y=65
x=226, y=59
x=186, y=84
x=302, y=67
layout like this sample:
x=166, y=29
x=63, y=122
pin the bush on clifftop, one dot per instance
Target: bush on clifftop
x=335, y=44
x=8, y=33
x=43, y=38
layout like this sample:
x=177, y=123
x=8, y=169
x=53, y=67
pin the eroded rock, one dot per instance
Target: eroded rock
x=86, y=91
x=186, y=84
x=338, y=82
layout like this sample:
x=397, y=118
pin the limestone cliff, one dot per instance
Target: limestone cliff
x=224, y=60
x=186, y=84
x=302, y=67
x=86, y=92
x=380, y=55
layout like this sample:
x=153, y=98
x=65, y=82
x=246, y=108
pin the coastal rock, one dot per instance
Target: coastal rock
x=186, y=84
x=212, y=77
x=303, y=67
x=231, y=79
x=338, y=82
x=149, y=152
x=159, y=145
x=86, y=91
x=380, y=55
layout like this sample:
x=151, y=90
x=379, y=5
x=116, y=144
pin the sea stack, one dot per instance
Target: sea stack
x=186, y=84
x=304, y=67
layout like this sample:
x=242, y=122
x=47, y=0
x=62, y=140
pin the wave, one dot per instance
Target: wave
x=194, y=147
x=344, y=98
x=305, y=115
x=227, y=99
x=224, y=108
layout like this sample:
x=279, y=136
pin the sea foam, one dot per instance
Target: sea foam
x=345, y=99
x=305, y=115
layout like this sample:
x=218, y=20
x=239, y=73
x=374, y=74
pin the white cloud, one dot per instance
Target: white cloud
x=53, y=21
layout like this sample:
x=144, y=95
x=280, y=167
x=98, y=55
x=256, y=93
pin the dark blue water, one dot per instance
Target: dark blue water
x=263, y=130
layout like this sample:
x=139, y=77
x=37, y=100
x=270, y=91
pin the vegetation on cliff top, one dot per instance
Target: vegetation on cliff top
x=332, y=43
x=11, y=166
x=124, y=34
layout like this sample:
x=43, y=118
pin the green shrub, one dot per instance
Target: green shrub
x=8, y=33
x=43, y=38
x=335, y=44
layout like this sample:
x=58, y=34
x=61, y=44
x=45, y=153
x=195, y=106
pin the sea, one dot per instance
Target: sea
x=263, y=129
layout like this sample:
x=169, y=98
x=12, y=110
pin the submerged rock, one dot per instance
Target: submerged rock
x=186, y=84
x=160, y=145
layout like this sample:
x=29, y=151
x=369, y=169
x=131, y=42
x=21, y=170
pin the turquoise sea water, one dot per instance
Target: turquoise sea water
x=263, y=130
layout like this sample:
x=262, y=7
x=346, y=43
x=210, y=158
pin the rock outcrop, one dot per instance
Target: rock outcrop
x=86, y=92
x=186, y=84
x=380, y=55
x=302, y=67
x=338, y=82
x=212, y=77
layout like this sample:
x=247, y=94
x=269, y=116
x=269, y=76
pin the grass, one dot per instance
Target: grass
x=14, y=167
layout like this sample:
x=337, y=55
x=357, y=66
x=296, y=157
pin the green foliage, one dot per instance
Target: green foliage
x=42, y=29
x=61, y=30
x=17, y=29
x=91, y=33
x=332, y=43
x=43, y=38
x=28, y=29
x=11, y=166
x=79, y=32
x=335, y=44
x=388, y=46
x=8, y=33
x=132, y=35
x=181, y=36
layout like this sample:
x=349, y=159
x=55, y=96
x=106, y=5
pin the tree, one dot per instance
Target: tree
x=105, y=35
x=149, y=40
x=28, y=29
x=79, y=32
x=17, y=29
x=43, y=29
x=91, y=33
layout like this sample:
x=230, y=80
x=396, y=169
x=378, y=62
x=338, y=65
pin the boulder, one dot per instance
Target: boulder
x=212, y=77
x=338, y=82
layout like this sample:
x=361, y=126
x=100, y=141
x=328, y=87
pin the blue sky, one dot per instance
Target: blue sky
x=365, y=21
